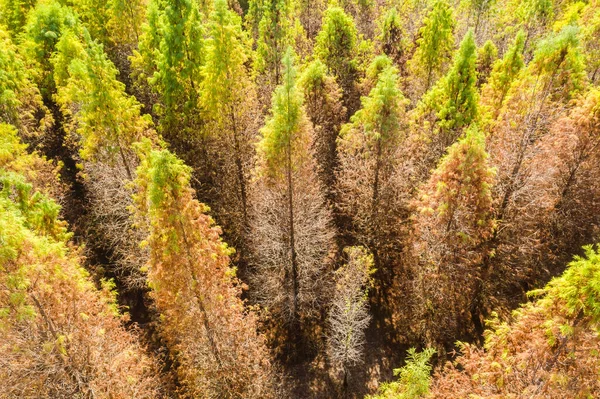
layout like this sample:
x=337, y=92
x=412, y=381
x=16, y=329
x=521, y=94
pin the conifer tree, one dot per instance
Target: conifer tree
x=323, y=102
x=60, y=335
x=102, y=122
x=450, y=106
x=13, y=14
x=274, y=36
x=435, y=45
x=203, y=320
x=178, y=76
x=349, y=313
x=291, y=228
x=504, y=72
x=337, y=46
x=486, y=55
x=455, y=217
x=392, y=38
x=229, y=97
x=20, y=100
x=45, y=25
x=170, y=57
x=368, y=181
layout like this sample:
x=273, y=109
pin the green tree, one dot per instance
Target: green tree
x=273, y=39
x=414, y=378
x=291, y=226
x=13, y=14
x=368, y=149
x=179, y=59
x=46, y=23
x=486, y=55
x=504, y=72
x=323, y=103
x=229, y=98
x=392, y=37
x=435, y=44
x=20, y=100
x=337, y=46
x=203, y=320
x=451, y=105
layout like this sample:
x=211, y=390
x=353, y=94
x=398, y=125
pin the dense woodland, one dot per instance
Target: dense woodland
x=299, y=199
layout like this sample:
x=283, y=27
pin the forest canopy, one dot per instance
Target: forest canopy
x=299, y=199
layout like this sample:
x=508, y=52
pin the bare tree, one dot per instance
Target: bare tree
x=349, y=312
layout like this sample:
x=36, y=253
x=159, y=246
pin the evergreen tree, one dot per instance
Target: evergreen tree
x=203, y=320
x=455, y=217
x=337, y=46
x=435, y=44
x=451, y=105
x=13, y=14
x=46, y=23
x=392, y=38
x=369, y=166
x=504, y=72
x=229, y=97
x=323, y=102
x=486, y=56
x=274, y=36
x=20, y=100
x=179, y=59
x=291, y=227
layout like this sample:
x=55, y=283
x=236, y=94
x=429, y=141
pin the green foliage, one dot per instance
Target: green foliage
x=107, y=120
x=336, y=45
x=224, y=76
x=45, y=25
x=13, y=14
x=414, y=378
x=392, y=36
x=435, y=43
x=454, y=98
x=559, y=58
x=20, y=99
x=381, y=115
x=283, y=137
x=274, y=36
x=504, y=72
x=486, y=56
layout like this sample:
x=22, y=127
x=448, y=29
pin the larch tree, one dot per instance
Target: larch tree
x=535, y=101
x=171, y=54
x=434, y=46
x=13, y=14
x=228, y=95
x=60, y=335
x=102, y=122
x=349, y=316
x=486, y=55
x=449, y=107
x=323, y=104
x=392, y=38
x=21, y=103
x=45, y=24
x=291, y=231
x=204, y=322
x=455, y=217
x=370, y=194
x=337, y=47
x=274, y=37
x=503, y=74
